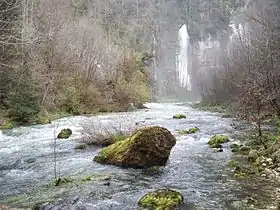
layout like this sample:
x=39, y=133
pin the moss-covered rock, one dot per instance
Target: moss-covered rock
x=234, y=146
x=190, y=131
x=64, y=133
x=179, y=116
x=217, y=140
x=161, y=199
x=193, y=130
x=148, y=147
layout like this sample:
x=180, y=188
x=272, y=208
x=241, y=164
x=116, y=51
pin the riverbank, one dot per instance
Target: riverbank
x=46, y=118
x=256, y=156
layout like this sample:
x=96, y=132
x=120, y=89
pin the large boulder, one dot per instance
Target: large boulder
x=148, y=147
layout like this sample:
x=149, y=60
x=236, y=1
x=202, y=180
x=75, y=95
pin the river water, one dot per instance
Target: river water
x=26, y=163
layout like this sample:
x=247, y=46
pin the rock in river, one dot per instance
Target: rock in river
x=148, y=147
x=161, y=199
x=64, y=133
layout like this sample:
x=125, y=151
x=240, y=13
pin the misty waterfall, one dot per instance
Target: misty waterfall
x=182, y=65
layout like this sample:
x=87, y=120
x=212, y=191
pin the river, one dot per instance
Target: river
x=26, y=163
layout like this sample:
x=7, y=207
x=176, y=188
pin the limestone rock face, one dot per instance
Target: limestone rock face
x=147, y=147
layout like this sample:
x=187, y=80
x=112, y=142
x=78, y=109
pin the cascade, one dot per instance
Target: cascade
x=182, y=65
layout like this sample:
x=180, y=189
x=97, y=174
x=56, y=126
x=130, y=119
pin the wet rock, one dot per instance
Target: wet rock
x=244, y=150
x=179, y=116
x=270, y=174
x=277, y=169
x=252, y=156
x=217, y=140
x=64, y=133
x=234, y=146
x=107, y=183
x=148, y=147
x=269, y=161
x=80, y=146
x=217, y=150
x=140, y=106
x=217, y=146
x=161, y=199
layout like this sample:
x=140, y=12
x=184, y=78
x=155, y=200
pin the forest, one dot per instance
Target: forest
x=70, y=57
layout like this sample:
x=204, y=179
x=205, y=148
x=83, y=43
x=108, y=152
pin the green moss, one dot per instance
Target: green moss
x=183, y=132
x=119, y=137
x=95, y=177
x=218, y=139
x=161, y=199
x=7, y=125
x=179, y=116
x=232, y=164
x=190, y=131
x=64, y=133
x=234, y=146
x=61, y=181
x=193, y=130
x=12, y=199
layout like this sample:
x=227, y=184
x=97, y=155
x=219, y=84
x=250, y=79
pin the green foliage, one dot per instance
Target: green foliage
x=71, y=101
x=23, y=100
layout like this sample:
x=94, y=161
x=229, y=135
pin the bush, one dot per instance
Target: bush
x=23, y=100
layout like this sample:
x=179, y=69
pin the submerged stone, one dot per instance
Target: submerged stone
x=80, y=146
x=179, y=116
x=161, y=199
x=64, y=133
x=148, y=147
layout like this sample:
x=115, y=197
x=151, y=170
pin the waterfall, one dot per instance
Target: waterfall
x=182, y=65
